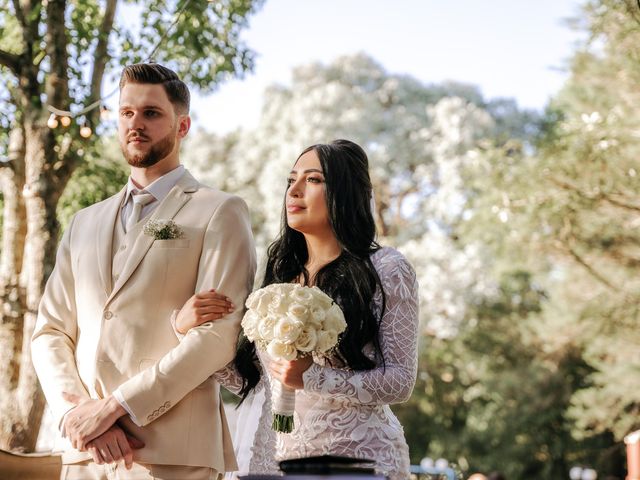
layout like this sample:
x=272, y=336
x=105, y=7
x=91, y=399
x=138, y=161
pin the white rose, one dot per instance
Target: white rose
x=259, y=301
x=298, y=312
x=334, y=319
x=317, y=316
x=320, y=298
x=307, y=340
x=249, y=325
x=327, y=339
x=302, y=295
x=266, y=327
x=278, y=349
x=278, y=304
x=287, y=329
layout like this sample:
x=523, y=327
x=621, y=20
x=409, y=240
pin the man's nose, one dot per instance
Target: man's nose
x=136, y=122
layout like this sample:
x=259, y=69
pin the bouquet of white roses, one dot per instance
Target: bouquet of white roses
x=290, y=321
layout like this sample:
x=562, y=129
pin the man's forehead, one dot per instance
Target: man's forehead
x=144, y=95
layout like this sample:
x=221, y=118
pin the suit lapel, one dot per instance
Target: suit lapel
x=179, y=195
x=104, y=244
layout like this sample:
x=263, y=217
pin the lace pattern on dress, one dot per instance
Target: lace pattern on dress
x=346, y=412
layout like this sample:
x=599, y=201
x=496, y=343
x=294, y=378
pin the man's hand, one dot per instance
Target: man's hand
x=89, y=419
x=112, y=446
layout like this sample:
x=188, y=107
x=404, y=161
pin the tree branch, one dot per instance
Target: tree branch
x=621, y=204
x=10, y=60
x=20, y=13
x=101, y=56
x=57, y=88
x=594, y=197
x=590, y=269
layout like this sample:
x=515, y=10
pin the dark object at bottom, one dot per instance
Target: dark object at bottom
x=327, y=465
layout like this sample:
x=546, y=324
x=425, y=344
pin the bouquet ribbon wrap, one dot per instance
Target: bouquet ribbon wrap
x=283, y=403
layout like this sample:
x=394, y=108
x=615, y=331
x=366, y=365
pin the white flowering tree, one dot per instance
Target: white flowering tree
x=418, y=138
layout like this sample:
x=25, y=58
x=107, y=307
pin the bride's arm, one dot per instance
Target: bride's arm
x=207, y=306
x=398, y=341
x=203, y=307
x=229, y=378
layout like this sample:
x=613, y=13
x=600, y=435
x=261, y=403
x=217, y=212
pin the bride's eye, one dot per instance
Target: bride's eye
x=315, y=180
x=290, y=180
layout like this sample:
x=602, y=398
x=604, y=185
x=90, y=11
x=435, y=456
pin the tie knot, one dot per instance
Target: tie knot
x=143, y=198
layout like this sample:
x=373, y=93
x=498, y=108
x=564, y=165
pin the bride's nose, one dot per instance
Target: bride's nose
x=295, y=189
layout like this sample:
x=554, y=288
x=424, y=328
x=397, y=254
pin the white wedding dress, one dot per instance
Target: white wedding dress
x=341, y=411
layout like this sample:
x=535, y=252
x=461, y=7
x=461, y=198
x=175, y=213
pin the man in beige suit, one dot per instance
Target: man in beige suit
x=113, y=371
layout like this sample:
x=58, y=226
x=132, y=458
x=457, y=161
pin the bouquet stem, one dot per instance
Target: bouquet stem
x=282, y=423
x=283, y=400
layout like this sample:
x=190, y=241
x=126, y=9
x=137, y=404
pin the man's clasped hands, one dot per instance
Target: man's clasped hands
x=91, y=426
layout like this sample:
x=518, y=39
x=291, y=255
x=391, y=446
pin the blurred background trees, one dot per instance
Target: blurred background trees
x=522, y=227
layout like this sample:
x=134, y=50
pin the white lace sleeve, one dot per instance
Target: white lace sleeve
x=229, y=378
x=394, y=382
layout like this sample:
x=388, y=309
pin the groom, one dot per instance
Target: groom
x=111, y=367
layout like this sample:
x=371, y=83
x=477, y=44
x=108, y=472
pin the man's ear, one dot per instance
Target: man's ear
x=184, y=124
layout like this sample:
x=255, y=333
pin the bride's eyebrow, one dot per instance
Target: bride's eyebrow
x=309, y=170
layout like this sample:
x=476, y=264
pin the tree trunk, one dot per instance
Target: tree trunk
x=32, y=196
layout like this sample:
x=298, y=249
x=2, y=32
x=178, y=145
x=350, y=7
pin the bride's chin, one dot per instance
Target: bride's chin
x=296, y=226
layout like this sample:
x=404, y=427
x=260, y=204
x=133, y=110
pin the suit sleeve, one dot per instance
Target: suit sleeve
x=53, y=345
x=227, y=263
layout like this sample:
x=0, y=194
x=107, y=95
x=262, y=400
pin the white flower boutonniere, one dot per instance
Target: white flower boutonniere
x=163, y=229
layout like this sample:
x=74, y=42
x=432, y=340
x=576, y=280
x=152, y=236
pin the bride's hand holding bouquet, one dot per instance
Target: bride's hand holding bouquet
x=291, y=323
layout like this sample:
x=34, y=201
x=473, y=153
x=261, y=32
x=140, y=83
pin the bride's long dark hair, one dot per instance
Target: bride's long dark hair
x=351, y=279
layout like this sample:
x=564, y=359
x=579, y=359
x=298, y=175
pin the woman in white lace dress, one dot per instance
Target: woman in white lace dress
x=342, y=403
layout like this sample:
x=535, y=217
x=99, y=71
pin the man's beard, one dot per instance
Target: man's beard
x=157, y=152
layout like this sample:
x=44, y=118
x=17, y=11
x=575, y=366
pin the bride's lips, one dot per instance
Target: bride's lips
x=294, y=208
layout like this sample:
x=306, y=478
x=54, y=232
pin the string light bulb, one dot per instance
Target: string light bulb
x=53, y=121
x=85, y=131
x=105, y=113
x=65, y=121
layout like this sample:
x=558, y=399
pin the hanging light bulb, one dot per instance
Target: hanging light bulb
x=105, y=113
x=85, y=131
x=65, y=121
x=53, y=121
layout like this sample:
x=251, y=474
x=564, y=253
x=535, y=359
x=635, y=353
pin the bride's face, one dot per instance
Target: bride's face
x=306, y=200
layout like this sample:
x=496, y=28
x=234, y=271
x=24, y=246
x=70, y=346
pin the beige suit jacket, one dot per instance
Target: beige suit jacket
x=92, y=337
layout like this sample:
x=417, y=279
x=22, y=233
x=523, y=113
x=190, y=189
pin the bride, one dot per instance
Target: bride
x=342, y=403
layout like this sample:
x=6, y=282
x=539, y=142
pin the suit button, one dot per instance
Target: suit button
x=123, y=247
x=108, y=315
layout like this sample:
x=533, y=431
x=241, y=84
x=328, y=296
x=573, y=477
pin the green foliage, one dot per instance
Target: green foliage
x=204, y=46
x=563, y=205
x=494, y=398
x=102, y=175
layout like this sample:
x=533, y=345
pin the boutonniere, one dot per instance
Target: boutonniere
x=163, y=229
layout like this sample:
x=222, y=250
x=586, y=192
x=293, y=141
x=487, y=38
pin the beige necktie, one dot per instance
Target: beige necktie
x=139, y=201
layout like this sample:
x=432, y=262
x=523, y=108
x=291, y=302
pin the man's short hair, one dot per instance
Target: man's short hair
x=154, y=73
